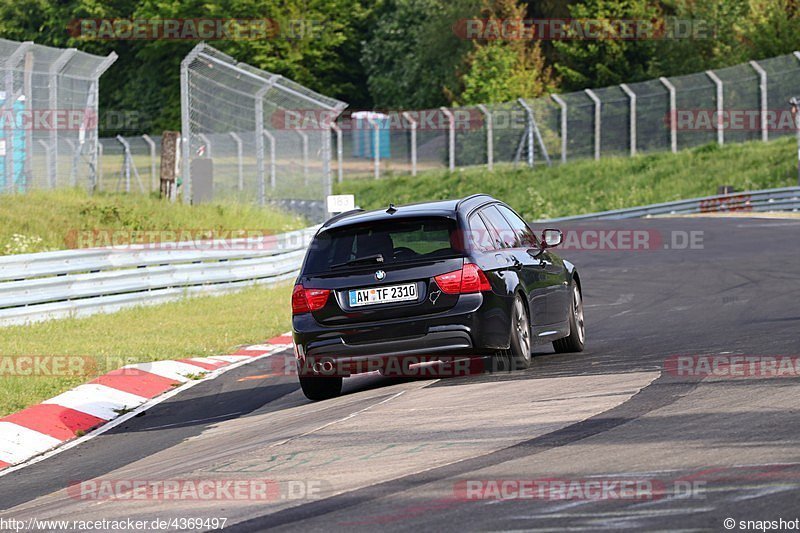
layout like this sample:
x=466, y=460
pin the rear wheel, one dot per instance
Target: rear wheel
x=577, y=334
x=321, y=387
x=520, y=336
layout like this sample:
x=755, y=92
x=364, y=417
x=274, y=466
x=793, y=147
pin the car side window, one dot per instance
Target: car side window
x=479, y=235
x=524, y=235
x=504, y=233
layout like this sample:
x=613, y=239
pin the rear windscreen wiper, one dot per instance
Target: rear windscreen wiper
x=378, y=258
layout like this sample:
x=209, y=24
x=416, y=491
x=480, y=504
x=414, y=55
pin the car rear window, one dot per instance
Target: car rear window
x=396, y=241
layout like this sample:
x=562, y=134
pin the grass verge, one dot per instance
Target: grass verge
x=46, y=220
x=590, y=186
x=195, y=327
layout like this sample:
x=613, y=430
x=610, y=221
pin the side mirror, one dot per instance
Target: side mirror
x=551, y=238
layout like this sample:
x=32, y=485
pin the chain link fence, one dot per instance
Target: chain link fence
x=735, y=104
x=250, y=134
x=129, y=163
x=48, y=116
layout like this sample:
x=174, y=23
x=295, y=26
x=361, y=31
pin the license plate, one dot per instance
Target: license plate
x=383, y=295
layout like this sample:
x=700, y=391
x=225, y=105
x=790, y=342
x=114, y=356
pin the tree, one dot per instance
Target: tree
x=145, y=78
x=504, y=70
x=585, y=63
x=413, y=58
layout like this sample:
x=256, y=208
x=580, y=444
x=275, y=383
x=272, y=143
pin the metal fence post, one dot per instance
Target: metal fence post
x=304, y=148
x=151, y=143
x=186, y=124
x=720, y=106
x=239, y=159
x=327, y=181
x=451, y=139
x=795, y=110
x=126, y=164
x=597, y=124
x=93, y=103
x=563, y=105
x=272, y=176
x=673, y=119
x=259, y=138
x=413, y=129
x=534, y=127
x=99, y=182
x=27, y=94
x=528, y=131
x=53, y=72
x=762, y=86
x=48, y=162
x=73, y=169
x=376, y=147
x=339, y=151
x=632, y=116
x=489, y=136
x=129, y=165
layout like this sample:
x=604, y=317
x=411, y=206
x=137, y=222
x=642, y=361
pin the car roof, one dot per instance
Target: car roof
x=438, y=208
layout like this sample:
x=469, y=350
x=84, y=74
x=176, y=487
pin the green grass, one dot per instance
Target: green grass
x=49, y=220
x=589, y=186
x=195, y=327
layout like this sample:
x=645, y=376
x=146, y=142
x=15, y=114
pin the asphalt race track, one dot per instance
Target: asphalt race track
x=396, y=454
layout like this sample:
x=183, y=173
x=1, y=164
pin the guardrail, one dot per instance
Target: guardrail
x=784, y=199
x=35, y=287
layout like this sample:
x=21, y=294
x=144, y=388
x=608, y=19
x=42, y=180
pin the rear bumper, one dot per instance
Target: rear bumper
x=455, y=338
x=478, y=323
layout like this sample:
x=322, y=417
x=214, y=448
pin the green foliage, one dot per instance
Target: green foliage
x=504, y=70
x=145, y=78
x=412, y=57
x=502, y=73
x=405, y=53
x=598, y=63
x=772, y=28
x=722, y=33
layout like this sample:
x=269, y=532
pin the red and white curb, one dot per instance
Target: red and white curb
x=117, y=395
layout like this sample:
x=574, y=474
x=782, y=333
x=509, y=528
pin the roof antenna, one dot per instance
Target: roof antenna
x=392, y=209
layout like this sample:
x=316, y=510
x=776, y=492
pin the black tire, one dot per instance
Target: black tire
x=318, y=388
x=520, y=336
x=577, y=332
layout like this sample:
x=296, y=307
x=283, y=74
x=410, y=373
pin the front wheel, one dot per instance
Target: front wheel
x=321, y=387
x=577, y=334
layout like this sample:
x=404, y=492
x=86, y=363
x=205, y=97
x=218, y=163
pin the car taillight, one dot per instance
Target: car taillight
x=450, y=283
x=469, y=279
x=473, y=279
x=307, y=300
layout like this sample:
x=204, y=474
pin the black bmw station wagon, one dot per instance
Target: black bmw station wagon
x=448, y=277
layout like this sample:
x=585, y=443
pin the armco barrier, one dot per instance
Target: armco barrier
x=35, y=287
x=785, y=199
